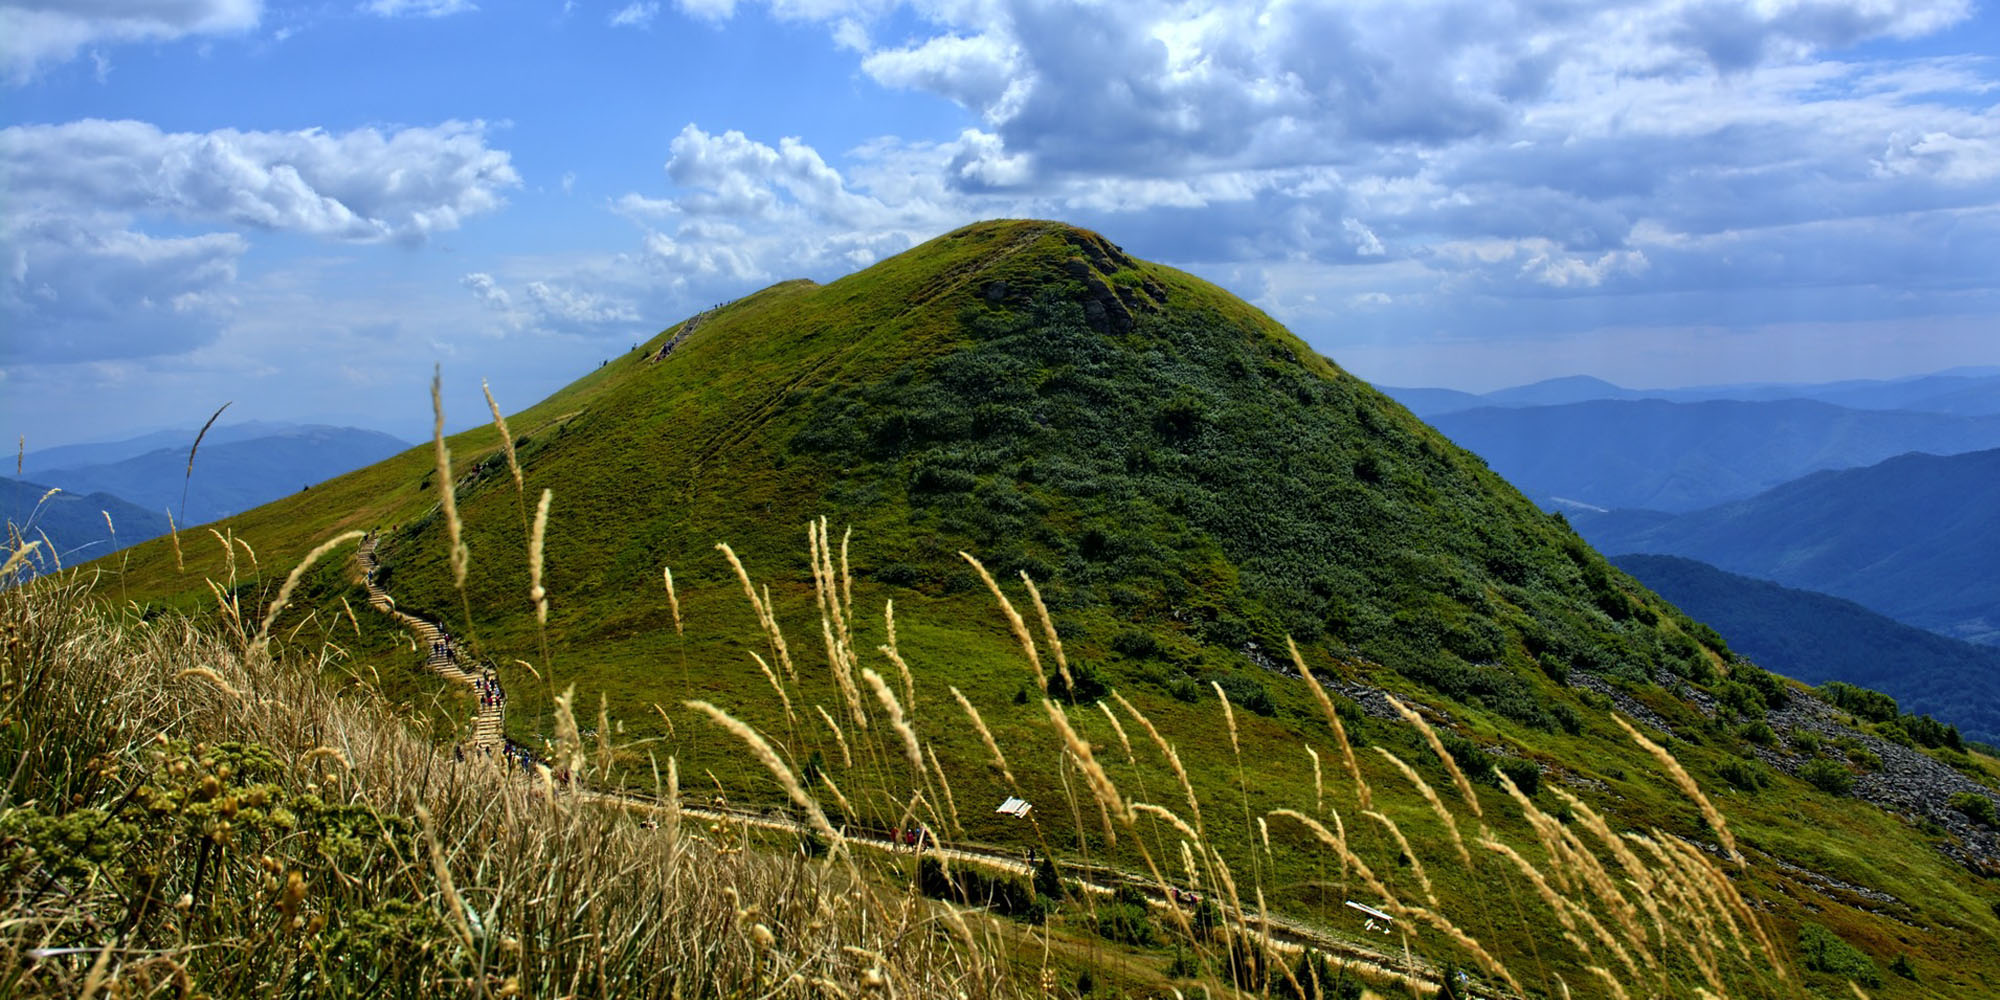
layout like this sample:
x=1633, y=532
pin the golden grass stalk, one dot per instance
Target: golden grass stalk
x=187, y=477
x=944, y=782
x=538, y=593
x=825, y=588
x=1100, y=782
x=1554, y=900
x=1430, y=795
x=1166, y=814
x=173, y=535
x=1467, y=943
x=1167, y=751
x=1403, y=844
x=765, y=617
x=1229, y=716
x=790, y=782
x=1687, y=787
x=838, y=660
x=1014, y=622
x=1116, y=727
x=783, y=698
x=1319, y=782
x=22, y=552
x=208, y=674
x=1049, y=631
x=292, y=582
x=443, y=871
x=846, y=758
x=351, y=619
x=461, y=557
x=846, y=578
x=673, y=599
x=1333, y=719
x=506, y=438
x=1611, y=981
x=247, y=550
x=846, y=807
x=909, y=682
x=985, y=736
x=911, y=751
x=1437, y=747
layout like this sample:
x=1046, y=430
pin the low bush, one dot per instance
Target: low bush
x=1827, y=776
x=1824, y=951
x=1744, y=774
x=1976, y=807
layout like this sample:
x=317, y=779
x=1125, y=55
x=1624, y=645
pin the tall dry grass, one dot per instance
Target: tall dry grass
x=189, y=814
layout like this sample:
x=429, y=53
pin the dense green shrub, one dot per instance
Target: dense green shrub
x=1127, y=919
x=1084, y=686
x=1745, y=774
x=1805, y=741
x=970, y=886
x=1824, y=951
x=1525, y=774
x=1759, y=732
x=1247, y=692
x=1976, y=807
x=1827, y=776
x=1864, y=703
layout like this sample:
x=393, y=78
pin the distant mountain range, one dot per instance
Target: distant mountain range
x=1677, y=457
x=1916, y=538
x=1961, y=391
x=1816, y=638
x=74, y=523
x=237, y=468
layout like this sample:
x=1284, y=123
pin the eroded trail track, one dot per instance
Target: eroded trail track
x=487, y=736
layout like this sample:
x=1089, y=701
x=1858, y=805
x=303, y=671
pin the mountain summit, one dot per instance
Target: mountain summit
x=1191, y=483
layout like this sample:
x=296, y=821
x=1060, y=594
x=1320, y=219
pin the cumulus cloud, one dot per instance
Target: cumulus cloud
x=35, y=33
x=559, y=306
x=1519, y=150
x=74, y=294
x=358, y=186
x=85, y=280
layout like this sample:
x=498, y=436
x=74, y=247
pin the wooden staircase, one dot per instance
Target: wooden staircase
x=488, y=725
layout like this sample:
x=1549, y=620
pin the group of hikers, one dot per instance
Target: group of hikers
x=916, y=838
x=488, y=687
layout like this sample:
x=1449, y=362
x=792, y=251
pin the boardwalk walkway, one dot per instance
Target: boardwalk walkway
x=487, y=732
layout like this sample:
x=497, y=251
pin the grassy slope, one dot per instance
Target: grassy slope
x=1277, y=494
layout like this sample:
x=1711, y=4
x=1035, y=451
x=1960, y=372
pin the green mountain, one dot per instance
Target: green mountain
x=1816, y=638
x=233, y=472
x=1189, y=485
x=75, y=524
x=1913, y=538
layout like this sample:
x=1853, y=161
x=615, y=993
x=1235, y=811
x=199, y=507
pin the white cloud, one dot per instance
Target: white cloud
x=638, y=14
x=35, y=34
x=359, y=186
x=709, y=10
x=85, y=280
x=72, y=293
x=418, y=8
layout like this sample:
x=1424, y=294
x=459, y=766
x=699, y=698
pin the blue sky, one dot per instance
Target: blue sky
x=301, y=208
